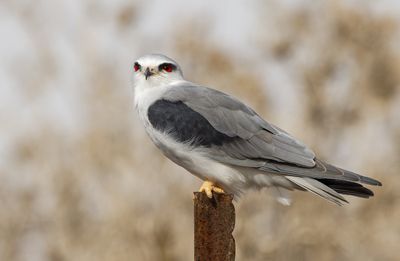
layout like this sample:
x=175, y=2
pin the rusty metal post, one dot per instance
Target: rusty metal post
x=214, y=221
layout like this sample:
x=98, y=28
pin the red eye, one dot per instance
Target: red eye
x=136, y=67
x=168, y=67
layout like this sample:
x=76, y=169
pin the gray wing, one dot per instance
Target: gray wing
x=257, y=143
x=257, y=140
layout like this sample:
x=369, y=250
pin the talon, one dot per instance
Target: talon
x=209, y=187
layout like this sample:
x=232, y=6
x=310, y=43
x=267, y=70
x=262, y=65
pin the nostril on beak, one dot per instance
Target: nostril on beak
x=148, y=73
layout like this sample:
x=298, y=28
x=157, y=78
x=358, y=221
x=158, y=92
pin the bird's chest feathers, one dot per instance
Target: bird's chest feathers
x=144, y=97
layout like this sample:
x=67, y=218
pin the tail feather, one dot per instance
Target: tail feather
x=347, y=188
x=318, y=188
x=332, y=189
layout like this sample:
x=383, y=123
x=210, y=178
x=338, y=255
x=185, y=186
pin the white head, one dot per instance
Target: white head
x=153, y=70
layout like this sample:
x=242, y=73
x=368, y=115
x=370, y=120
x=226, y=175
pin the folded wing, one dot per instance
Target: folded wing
x=255, y=139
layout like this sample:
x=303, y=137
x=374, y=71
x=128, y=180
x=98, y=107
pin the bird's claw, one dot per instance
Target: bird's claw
x=209, y=187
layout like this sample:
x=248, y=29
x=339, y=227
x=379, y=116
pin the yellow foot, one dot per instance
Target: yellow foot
x=208, y=187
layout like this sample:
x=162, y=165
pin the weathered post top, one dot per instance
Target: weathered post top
x=214, y=221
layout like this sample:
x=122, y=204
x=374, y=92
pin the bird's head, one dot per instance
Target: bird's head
x=154, y=70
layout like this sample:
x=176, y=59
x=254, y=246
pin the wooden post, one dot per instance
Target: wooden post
x=214, y=221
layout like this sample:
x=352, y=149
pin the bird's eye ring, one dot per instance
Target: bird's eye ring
x=168, y=67
x=136, y=67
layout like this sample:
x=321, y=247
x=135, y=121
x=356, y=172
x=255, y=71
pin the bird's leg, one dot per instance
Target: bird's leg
x=209, y=187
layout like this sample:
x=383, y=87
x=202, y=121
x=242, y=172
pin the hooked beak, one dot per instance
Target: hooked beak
x=148, y=73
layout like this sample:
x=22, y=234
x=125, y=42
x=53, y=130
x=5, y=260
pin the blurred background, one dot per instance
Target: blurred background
x=80, y=180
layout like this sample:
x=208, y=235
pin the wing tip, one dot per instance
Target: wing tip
x=348, y=188
x=370, y=181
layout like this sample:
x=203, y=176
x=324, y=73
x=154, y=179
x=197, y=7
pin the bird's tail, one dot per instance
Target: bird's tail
x=332, y=189
x=325, y=180
x=318, y=188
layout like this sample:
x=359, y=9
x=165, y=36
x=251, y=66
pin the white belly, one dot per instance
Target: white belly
x=197, y=163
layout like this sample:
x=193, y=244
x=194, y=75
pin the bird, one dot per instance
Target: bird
x=225, y=143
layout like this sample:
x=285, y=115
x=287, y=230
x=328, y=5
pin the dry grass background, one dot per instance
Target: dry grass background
x=75, y=178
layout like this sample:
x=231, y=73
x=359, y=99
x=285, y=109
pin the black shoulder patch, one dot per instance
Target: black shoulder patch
x=184, y=124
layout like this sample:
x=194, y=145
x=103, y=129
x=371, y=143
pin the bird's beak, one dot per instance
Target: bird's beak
x=148, y=73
